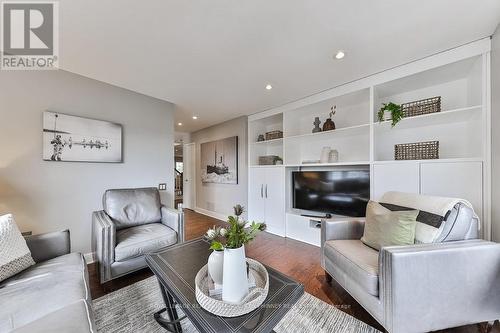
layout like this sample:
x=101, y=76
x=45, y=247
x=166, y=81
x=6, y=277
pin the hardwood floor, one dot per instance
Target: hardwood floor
x=299, y=260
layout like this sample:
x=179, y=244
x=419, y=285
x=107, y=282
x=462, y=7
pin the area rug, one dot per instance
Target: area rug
x=131, y=309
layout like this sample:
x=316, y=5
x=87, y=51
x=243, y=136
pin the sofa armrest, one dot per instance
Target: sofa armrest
x=49, y=245
x=103, y=242
x=441, y=285
x=174, y=219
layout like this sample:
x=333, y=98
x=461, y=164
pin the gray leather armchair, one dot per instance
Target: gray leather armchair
x=452, y=282
x=133, y=222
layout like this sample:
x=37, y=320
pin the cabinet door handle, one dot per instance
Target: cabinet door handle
x=261, y=190
x=266, y=190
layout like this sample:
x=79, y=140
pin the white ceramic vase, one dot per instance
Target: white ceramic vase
x=215, y=267
x=333, y=156
x=325, y=154
x=235, y=286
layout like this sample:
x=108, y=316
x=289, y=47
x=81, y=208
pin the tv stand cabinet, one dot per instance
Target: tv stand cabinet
x=308, y=229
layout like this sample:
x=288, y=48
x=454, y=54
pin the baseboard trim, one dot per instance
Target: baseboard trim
x=89, y=257
x=215, y=215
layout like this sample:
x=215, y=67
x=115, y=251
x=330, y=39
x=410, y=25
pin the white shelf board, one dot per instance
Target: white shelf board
x=440, y=160
x=450, y=116
x=351, y=130
x=328, y=164
x=267, y=166
x=268, y=141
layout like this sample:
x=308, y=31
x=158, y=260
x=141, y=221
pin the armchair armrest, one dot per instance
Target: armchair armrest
x=343, y=229
x=441, y=285
x=103, y=242
x=174, y=219
x=49, y=245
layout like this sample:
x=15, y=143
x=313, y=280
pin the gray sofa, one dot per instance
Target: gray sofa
x=51, y=296
x=451, y=282
x=133, y=222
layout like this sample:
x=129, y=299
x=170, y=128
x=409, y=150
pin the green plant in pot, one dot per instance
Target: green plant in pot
x=395, y=110
x=229, y=242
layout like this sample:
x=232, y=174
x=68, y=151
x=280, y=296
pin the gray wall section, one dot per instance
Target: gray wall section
x=49, y=196
x=220, y=198
x=495, y=147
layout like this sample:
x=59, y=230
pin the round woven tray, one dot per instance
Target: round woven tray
x=256, y=295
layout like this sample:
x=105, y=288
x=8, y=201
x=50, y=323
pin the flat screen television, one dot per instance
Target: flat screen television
x=343, y=192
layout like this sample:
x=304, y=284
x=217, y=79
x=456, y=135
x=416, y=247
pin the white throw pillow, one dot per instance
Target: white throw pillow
x=14, y=253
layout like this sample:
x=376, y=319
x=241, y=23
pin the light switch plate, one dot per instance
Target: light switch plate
x=162, y=187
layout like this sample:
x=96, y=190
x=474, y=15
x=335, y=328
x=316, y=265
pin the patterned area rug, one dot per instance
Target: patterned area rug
x=131, y=309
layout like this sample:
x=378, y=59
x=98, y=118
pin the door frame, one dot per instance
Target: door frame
x=190, y=179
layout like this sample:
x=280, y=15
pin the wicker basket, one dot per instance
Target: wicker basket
x=268, y=160
x=274, y=135
x=417, y=151
x=424, y=106
x=213, y=304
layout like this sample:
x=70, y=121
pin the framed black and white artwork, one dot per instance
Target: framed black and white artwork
x=76, y=139
x=219, y=161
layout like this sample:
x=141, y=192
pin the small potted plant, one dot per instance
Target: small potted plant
x=231, y=240
x=390, y=111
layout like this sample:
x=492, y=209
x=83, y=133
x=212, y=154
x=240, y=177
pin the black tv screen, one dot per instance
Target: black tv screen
x=345, y=192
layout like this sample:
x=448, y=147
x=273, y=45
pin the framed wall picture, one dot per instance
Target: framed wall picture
x=219, y=161
x=76, y=139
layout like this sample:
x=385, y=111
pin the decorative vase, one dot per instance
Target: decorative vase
x=328, y=125
x=316, y=123
x=333, y=157
x=235, y=286
x=261, y=138
x=215, y=267
x=325, y=154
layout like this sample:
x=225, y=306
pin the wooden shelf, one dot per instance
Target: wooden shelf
x=351, y=130
x=450, y=116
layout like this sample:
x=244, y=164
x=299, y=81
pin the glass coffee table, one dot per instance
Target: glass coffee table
x=176, y=268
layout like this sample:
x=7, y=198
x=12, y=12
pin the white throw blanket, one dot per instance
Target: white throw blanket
x=436, y=205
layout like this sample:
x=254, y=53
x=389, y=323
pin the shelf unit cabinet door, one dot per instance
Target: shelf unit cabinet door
x=402, y=177
x=274, y=192
x=256, y=199
x=455, y=179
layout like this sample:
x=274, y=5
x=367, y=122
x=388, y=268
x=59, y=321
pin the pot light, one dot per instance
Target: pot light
x=340, y=54
x=269, y=87
x=195, y=117
x=180, y=124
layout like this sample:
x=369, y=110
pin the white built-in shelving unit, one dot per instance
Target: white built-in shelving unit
x=460, y=76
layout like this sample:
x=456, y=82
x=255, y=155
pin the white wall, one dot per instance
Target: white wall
x=219, y=199
x=49, y=196
x=495, y=147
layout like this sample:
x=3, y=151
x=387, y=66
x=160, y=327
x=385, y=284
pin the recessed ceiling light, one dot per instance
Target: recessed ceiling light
x=180, y=124
x=269, y=87
x=340, y=54
x=195, y=117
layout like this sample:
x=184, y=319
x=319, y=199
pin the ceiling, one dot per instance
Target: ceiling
x=213, y=59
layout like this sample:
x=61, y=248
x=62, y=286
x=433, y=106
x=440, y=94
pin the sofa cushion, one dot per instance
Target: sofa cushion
x=355, y=259
x=42, y=289
x=384, y=227
x=131, y=207
x=74, y=318
x=14, y=253
x=139, y=240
